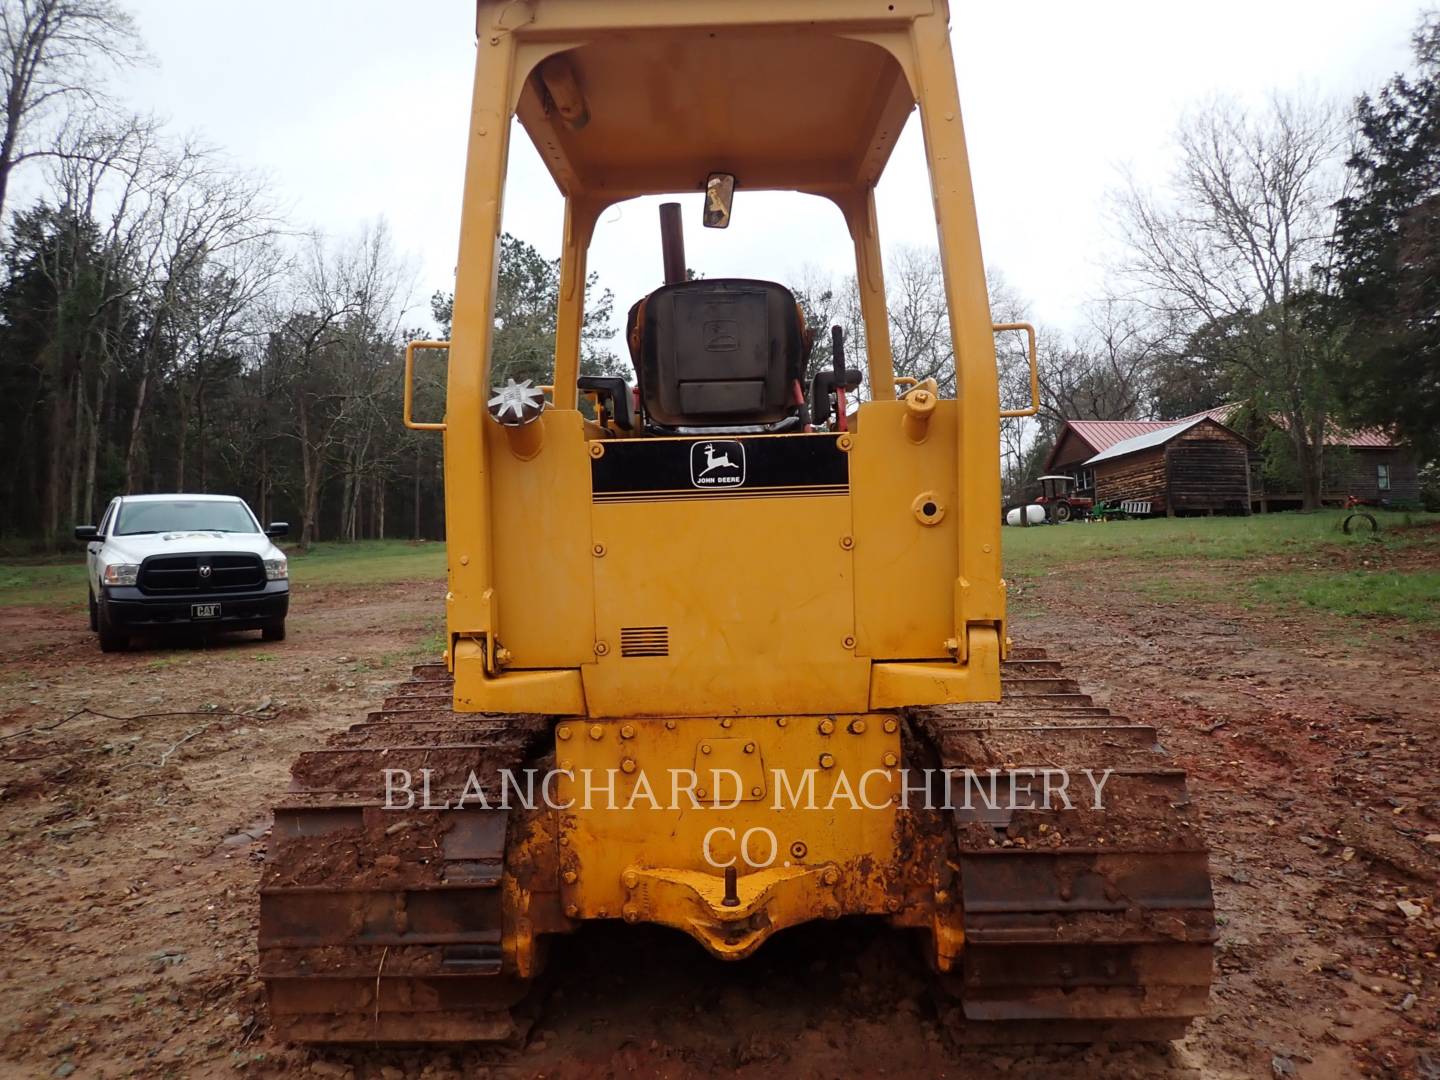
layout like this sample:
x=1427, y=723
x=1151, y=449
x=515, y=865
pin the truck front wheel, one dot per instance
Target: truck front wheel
x=112, y=639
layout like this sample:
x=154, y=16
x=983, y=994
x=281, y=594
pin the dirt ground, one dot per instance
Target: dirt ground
x=132, y=850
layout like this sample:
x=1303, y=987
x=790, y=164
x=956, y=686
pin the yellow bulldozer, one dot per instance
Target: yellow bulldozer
x=727, y=652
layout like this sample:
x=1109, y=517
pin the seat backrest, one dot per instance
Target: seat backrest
x=715, y=352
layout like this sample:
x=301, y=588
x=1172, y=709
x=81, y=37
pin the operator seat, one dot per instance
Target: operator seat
x=719, y=352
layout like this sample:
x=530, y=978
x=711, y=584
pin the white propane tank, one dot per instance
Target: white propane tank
x=1036, y=514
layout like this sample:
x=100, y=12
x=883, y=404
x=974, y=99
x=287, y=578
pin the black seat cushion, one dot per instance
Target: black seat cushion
x=717, y=352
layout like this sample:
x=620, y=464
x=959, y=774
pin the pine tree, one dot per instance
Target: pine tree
x=1388, y=255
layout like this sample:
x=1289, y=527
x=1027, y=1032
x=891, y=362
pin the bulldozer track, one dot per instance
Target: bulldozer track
x=1080, y=924
x=386, y=925
x=1092, y=923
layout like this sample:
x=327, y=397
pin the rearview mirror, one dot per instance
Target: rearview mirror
x=86, y=532
x=277, y=528
x=719, y=192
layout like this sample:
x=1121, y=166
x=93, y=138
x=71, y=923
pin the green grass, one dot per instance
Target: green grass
x=1030, y=552
x=61, y=579
x=1413, y=596
x=39, y=582
x=368, y=562
x=1278, y=563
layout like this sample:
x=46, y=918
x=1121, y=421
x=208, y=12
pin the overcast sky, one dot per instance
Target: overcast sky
x=357, y=109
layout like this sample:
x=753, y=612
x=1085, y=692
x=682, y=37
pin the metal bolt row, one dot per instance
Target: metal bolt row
x=826, y=727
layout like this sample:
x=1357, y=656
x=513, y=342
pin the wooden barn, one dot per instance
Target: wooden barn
x=1196, y=466
x=1367, y=464
x=1080, y=440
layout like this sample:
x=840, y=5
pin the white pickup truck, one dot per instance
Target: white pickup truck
x=202, y=562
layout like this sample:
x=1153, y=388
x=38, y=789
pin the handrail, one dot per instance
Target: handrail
x=1034, y=368
x=410, y=348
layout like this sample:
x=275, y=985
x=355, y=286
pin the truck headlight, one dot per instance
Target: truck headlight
x=121, y=573
x=277, y=569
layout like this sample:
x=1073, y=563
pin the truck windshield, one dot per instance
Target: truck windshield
x=182, y=515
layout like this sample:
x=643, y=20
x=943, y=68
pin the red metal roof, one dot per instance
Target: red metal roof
x=1159, y=437
x=1100, y=435
x=1363, y=439
x=1369, y=439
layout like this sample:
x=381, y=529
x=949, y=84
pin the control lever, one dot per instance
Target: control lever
x=835, y=381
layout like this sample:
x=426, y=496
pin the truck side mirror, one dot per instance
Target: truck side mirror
x=86, y=532
x=277, y=528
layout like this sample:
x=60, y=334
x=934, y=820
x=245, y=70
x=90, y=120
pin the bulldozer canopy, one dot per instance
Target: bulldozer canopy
x=657, y=111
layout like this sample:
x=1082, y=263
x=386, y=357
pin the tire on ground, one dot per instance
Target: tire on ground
x=112, y=639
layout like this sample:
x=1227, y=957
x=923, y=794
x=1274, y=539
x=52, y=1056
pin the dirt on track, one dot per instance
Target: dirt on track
x=132, y=851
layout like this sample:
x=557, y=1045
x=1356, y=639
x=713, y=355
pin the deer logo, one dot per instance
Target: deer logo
x=715, y=461
x=717, y=464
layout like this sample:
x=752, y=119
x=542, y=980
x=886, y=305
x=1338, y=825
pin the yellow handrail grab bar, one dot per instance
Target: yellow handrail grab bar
x=906, y=381
x=1034, y=368
x=410, y=348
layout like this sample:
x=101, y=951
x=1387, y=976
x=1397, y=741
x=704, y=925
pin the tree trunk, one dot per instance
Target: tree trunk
x=310, y=481
x=312, y=509
x=77, y=447
x=60, y=424
x=93, y=449
x=415, y=535
x=1312, y=476
x=200, y=411
x=182, y=435
x=136, y=444
x=7, y=153
x=263, y=492
x=346, y=522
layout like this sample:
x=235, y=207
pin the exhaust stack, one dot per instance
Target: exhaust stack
x=672, y=242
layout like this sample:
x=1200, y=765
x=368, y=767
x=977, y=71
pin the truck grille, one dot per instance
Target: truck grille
x=201, y=573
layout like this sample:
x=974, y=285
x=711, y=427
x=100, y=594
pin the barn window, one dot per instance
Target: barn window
x=1382, y=477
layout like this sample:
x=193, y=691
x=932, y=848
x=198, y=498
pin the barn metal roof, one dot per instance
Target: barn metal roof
x=1145, y=441
x=1101, y=435
x=1362, y=439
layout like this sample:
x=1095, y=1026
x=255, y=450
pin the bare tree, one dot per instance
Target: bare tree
x=920, y=317
x=336, y=356
x=828, y=301
x=84, y=265
x=1106, y=371
x=197, y=210
x=923, y=348
x=1230, y=250
x=215, y=319
x=1018, y=434
x=378, y=286
x=51, y=53
x=98, y=166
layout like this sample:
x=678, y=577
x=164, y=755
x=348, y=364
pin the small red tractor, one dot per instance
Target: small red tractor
x=1060, y=503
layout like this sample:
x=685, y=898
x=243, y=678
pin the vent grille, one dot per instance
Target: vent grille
x=644, y=641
